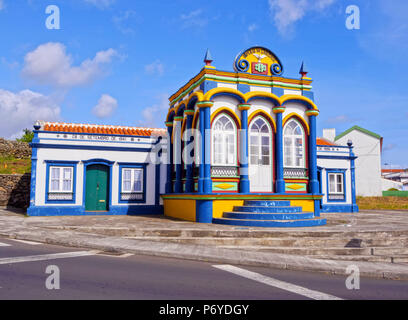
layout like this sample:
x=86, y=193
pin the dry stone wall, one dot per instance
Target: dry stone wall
x=15, y=190
x=16, y=149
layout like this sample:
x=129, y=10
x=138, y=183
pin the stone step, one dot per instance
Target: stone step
x=367, y=258
x=315, y=251
x=263, y=209
x=267, y=203
x=276, y=242
x=271, y=223
x=387, y=251
x=332, y=251
x=268, y=216
x=219, y=231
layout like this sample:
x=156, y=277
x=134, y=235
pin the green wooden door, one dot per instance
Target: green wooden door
x=97, y=188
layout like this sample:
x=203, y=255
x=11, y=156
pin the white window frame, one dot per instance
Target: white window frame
x=224, y=142
x=293, y=144
x=61, y=179
x=336, y=184
x=132, y=180
x=259, y=135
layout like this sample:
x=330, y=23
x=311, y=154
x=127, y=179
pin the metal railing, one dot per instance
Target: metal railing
x=297, y=173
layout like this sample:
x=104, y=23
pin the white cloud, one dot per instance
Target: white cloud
x=50, y=64
x=9, y=64
x=287, y=12
x=252, y=27
x=194, y=19
x=389, y=146
x=20, y=110
x=101, y=3
x=106, y=106
x=125, y=21
x=340, y=119
x=155, y=67
x=153, y=115
x=1, y=5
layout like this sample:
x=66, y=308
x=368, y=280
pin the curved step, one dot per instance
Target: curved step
x=268, y=216
x=262, y=209
x=267, y=203
x=271, y=223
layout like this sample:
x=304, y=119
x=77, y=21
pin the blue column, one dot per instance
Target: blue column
x=244, y=183
x=353, y=177
x=204, y=211
x=313, y=182
x=34, y=159
x=178, y=186
x=169, y=182
x=280, y=182
x=205, y=128
x=189, y=166
x=202, y=146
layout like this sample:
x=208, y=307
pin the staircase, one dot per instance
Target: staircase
x=269, y=213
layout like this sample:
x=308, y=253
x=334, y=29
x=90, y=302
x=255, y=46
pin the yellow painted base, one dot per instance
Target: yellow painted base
x=221, y=206
x=185, y=209
x=307, y=205
x=180, y=209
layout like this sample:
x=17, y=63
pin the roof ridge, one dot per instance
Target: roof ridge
x=331, y=143
x=95, y=125
x=100, y=129
x=356, y=127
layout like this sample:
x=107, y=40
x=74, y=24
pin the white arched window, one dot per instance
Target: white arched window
x=224, y=141
x=294, y=145
x=260, y=142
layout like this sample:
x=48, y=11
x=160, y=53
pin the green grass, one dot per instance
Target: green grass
x=10, y=165
x=382, y=203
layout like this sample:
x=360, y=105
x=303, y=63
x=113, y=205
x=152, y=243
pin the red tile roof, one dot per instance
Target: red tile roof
x=324, y=142
x=101, y=129
x=392, y=170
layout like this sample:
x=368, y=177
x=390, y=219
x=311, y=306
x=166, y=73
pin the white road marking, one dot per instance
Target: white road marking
x=4, y=244
x=27, y=242
x=316, y=295
x=43, y=257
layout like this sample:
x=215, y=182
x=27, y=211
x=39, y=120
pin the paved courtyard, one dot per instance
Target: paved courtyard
x=364, y=221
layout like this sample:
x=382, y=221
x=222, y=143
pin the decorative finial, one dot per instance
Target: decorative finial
x=208, y=59
x=37, y=125
x=303, y=71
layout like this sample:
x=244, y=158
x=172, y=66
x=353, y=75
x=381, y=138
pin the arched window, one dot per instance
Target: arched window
x=260, y=142
x=294, y=145
x=224, y=141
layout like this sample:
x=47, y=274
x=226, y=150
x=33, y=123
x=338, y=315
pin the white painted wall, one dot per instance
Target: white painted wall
x=368, y=164
x=335, y=164
x=388, y=184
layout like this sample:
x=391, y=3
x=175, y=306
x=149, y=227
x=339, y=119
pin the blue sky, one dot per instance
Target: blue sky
x=117, y=61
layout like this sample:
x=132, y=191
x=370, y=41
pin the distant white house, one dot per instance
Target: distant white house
x=396, y=178
x=367, y=148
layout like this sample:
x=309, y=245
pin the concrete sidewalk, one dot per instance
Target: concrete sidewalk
x=118, y=234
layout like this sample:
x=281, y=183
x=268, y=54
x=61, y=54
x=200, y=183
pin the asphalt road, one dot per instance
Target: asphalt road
x=144, y=277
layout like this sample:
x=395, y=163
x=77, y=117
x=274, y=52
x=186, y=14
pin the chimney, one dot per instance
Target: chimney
x=329, y=134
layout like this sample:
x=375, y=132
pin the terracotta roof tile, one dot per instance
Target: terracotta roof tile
x=100, y=129
x=324, y=142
